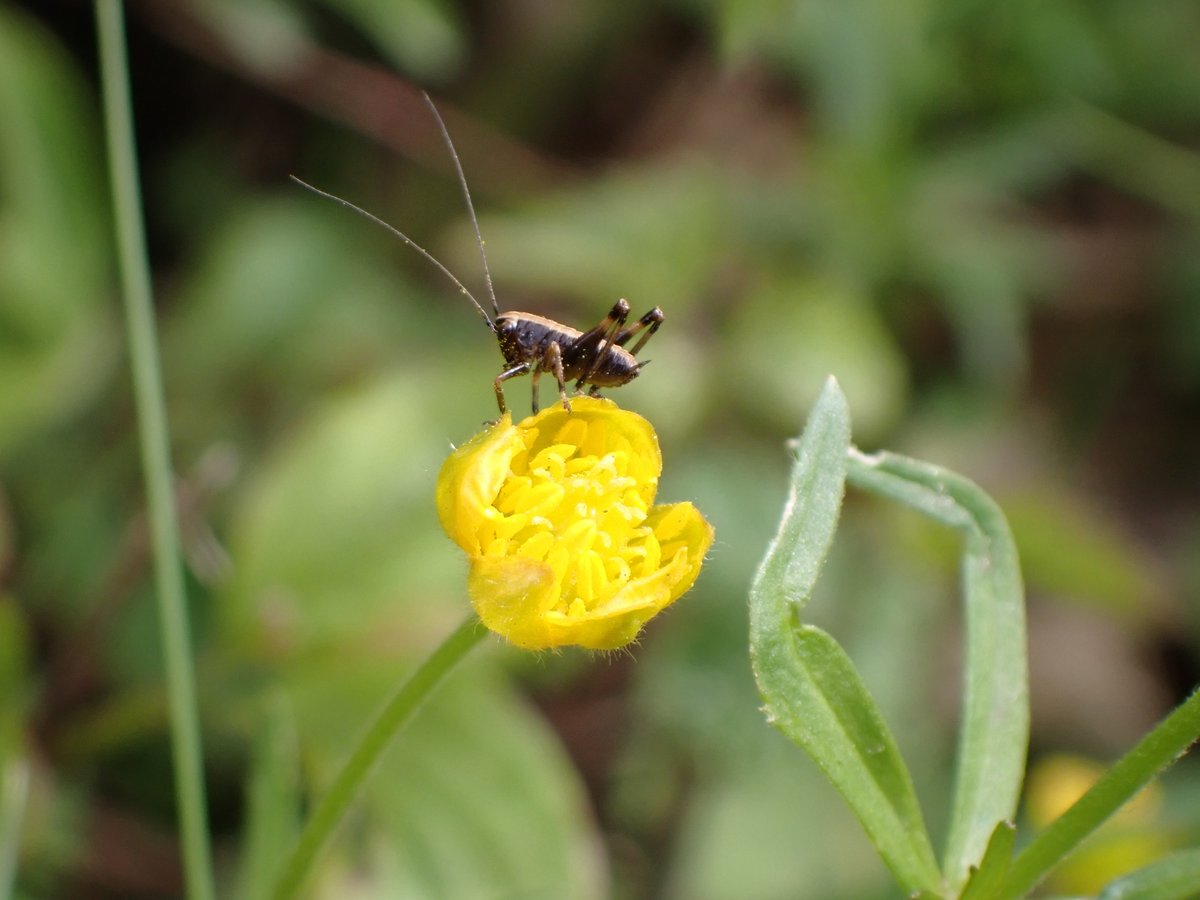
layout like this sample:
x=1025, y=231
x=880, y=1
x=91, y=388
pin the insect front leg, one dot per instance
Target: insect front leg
x=519, y=369
x=652, y=319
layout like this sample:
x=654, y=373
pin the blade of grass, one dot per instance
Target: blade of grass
x=272, y=800
x=809, y=686
x=14, y=791
x=365, y=756
x=1169, y=740
x=994, y=733
x=156, y=464
x=1136, y=159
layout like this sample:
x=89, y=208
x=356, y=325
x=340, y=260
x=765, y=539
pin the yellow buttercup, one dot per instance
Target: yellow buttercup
x=557, y=517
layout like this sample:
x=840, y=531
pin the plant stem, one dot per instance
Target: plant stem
x=156, y=463
x=1157, y=750
x=394, y=715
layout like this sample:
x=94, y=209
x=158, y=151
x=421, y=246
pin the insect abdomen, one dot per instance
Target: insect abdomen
x=619, y=367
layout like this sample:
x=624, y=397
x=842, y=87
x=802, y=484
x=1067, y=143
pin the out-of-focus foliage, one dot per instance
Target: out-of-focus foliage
x=981, y=217
x=55, y=344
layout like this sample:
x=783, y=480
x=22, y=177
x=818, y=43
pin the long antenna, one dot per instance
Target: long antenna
x=462, y=181
x=404, y=237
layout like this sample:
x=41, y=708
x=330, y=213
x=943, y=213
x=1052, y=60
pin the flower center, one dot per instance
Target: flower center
x=578, y=501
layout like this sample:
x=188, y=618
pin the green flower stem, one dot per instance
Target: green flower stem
x=1157, y=750
x=156, y=463
x=395, y=713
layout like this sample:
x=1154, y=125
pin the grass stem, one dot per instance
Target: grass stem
x=156, y=462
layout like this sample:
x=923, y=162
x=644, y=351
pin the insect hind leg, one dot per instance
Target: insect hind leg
x=602, y=331
x=652, y=320
x=597, y=341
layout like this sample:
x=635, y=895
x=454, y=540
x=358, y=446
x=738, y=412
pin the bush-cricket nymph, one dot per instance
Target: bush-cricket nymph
x=533, y=344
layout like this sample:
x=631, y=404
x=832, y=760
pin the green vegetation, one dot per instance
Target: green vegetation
x=982, y=219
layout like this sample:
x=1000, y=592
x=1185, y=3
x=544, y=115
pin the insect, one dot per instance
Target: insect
x=532, y=344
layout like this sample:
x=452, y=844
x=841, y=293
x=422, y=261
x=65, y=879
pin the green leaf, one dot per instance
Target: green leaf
x=798, y=550
x=987, y=877
x=995, y=719
x=57, y=342
x=421, y=37
x=809, y=686
x=266, y=36
x=794, y=329
x=1174, y=877
x=473, y=820
x=657, y=232
x=1070, y=549
x=475, y=798
x=336, y=536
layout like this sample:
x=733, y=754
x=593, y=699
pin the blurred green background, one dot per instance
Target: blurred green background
x=983, y=218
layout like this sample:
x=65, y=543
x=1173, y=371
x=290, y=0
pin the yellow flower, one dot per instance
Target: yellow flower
x=556, y=515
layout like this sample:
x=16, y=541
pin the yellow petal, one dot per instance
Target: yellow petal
x=689, y=531
x=511, y=596
x=470, y=479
